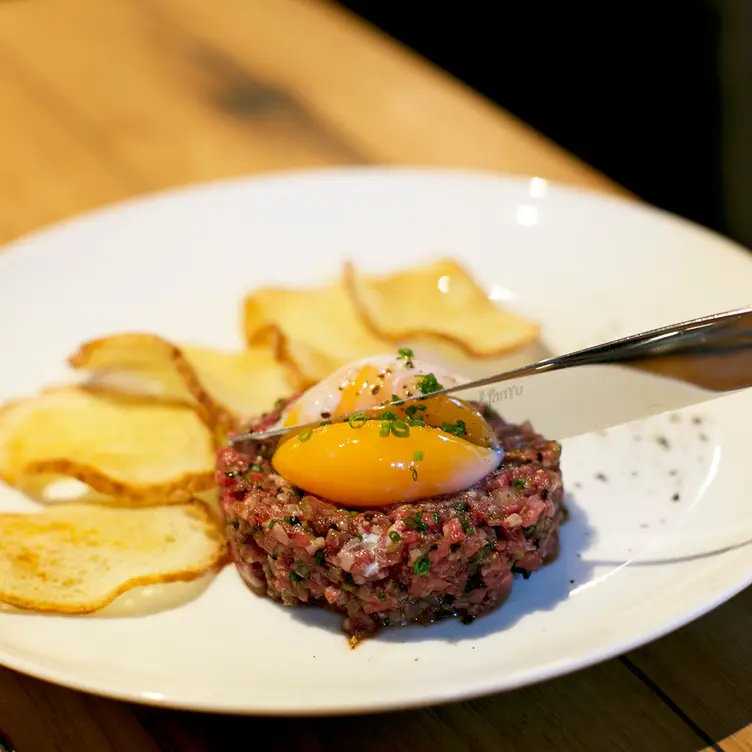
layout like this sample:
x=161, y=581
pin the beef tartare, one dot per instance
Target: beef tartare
x=453, y=555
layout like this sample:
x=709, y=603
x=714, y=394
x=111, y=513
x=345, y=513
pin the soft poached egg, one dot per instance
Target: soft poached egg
x=425, y=449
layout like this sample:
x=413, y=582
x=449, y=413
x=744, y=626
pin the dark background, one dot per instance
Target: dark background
x=657, y=95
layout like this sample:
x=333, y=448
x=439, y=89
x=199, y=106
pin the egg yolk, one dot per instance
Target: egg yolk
x=358, y=466
x=360, y=393
x=365, y=391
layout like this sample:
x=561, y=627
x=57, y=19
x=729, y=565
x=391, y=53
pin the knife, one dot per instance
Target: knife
x=689, y=362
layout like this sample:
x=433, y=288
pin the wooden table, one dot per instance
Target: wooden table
x=105, y=99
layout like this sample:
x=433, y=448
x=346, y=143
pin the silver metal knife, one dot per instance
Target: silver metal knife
x=693, y=361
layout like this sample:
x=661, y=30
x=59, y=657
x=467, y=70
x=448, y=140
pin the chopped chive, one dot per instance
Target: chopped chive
x=319, y=557
x=255, y=469
x=466, y=526
x=411, y=410
x=415, y=422
x=428, y=383
x=294, y=520
x=395, y=398
x=456, y=429
x=272, y=523
x=385, y=429
x=414, y=472
x=437, y=518
x=358, y=420
x=519, y=483
x=305, y=435
x=395, y=536
x=422, y=565
x=295, y=577
x=410, y=522
x=405, y=353
x=388, y=415
x=418, y=456
x=400, y=429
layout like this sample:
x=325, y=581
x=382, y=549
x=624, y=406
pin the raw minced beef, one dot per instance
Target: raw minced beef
x=450, y=556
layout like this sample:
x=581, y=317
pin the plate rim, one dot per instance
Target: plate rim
x=362, y=172
x=552, y=671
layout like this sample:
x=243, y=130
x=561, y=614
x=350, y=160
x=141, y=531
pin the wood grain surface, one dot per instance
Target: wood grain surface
x=100, y=101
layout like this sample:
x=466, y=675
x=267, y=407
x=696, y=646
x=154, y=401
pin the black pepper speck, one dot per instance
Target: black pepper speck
x=601, y=477
x=663, y=441
x=675, y=497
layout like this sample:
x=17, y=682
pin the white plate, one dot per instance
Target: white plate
x=634, y=563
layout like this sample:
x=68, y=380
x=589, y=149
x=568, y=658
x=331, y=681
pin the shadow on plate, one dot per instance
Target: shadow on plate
x=543, y=591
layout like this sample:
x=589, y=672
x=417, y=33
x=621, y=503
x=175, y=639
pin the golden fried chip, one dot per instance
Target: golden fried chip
x=438, y=300
x=318, y=330
x=77, y=558
x=142, y=450
x=224, y=386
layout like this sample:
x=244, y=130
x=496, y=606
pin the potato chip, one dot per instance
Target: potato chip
x=438, y=300
x=318, y=330
x=225, y=387
x=77, y=558
x=142, y=450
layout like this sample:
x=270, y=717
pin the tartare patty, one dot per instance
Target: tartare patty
x=450, y=556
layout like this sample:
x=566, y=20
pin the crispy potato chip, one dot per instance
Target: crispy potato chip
x=142, y=450
x=77, y=558
x=318, y=330
x=439, y=300
x=225, y=387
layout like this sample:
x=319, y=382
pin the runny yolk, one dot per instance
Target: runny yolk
x=358, y=467
x=358, y=393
